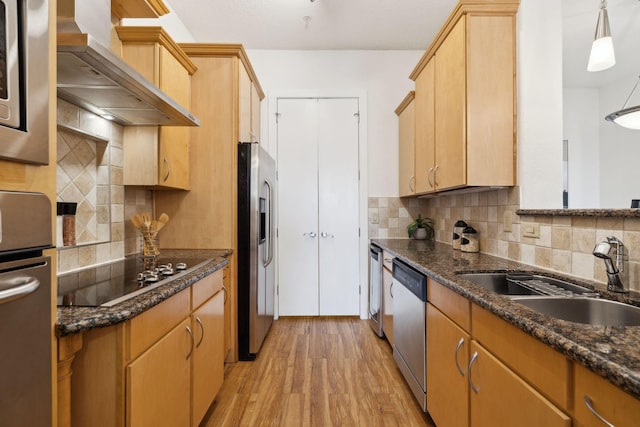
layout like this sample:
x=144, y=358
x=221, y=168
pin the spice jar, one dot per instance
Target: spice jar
x=68, y=213
x=469, y=241
x=458, y=227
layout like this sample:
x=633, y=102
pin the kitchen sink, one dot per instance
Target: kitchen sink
x=591, y=311
x=521, y=284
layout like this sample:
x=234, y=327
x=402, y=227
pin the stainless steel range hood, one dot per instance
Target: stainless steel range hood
x=92, y=77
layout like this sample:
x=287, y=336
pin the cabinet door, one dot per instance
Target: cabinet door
x=447, y=360
x=450, y=110
x=207, y=324
x=406, y=152
x=387, y=304
x=173, y=157
x=158, y=382
x=425, y=129
x=244, y=105
x=498, y=397
x=255, y=114
x=226, y=287
x=607, y=400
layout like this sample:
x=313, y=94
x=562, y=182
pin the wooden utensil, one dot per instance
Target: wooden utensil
x=162, y=221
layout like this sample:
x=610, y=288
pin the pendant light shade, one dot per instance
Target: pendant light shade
x=627, y=117
x=602, y=54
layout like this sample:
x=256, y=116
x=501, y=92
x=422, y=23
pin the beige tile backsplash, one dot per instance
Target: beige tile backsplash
x=565, y=243
x=115, y=203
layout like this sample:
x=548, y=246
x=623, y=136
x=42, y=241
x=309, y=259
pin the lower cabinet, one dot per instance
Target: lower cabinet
x=387, y=304
x=608, y=403
x=163, y=367
x=207, y=324
x=447, y=358
x=158, y=382
x=499, y=397
x=468, y=380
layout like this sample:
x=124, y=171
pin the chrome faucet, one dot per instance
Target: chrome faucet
x=618, y=270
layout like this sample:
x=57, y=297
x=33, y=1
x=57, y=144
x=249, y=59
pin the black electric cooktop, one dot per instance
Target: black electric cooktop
x=110, y=284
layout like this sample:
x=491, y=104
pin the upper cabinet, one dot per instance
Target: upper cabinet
x=157, y=157
x=465, y=114
x=138, y=8
x=405, y=113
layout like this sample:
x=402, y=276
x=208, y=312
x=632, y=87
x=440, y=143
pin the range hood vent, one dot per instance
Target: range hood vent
x=92, y=77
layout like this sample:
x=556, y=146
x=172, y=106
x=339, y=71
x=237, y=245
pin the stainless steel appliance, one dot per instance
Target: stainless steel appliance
x=26, y=330
x=24, y=86
x=409, y=327
x=256, y=269
x=375, y=289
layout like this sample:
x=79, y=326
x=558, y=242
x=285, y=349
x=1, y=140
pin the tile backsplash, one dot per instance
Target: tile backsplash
x=92, y=173
x=564, y=243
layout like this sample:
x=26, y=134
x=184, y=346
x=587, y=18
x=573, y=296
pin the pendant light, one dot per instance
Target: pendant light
x=627, y=117
x=602, y=55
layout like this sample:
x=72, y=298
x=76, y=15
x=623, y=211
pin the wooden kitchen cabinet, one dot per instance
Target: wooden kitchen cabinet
x=387, y=299
x=465, y=101
x=158, y=382
x=157, y=156
x=447, y=359
x=406, y=144
x=520, y=381
x=162, y=367
x=498, y=397
x=610, y=402
x=424, y=118
x=249, y=106
x=207, y=324
x=226, y=285
x=206, y=216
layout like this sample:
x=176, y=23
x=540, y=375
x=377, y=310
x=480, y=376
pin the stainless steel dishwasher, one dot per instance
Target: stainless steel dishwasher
x=409, y=327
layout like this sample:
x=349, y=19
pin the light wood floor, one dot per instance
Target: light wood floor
x=317, y=372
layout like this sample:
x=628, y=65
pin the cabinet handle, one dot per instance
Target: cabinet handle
x=471, y=384
x=411, y=181
x=312, y=234
x=201, y=329
x=460, y=343
x=166, y=162
x=325, y=235
x=391, y=290
x=589, y=403
x=429, y=177
x=225, y=294
x=192, y=342
x=435, y=175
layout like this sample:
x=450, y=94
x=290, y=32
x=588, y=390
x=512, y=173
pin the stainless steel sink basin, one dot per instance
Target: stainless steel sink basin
x=520, y=284
x=591, y=311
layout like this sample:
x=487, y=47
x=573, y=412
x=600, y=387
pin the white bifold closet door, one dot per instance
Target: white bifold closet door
x=318, y=207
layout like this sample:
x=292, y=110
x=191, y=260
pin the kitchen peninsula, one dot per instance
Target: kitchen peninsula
x=144, y=350
x=552, y=359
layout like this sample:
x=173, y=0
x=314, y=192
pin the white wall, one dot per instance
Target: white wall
x=619, y=148
x=170, y=22
x=581, y=121
x=382, y=75
x=539, y=74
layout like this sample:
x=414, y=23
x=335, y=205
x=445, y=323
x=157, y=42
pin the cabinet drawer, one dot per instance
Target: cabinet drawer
x=151, y=325
x=541, y=366
x=610, y=402
x=454, y=305
x=205, y=288
x=387, y=260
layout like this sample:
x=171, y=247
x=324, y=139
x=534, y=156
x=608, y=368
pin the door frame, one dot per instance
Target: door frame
x=272, y=148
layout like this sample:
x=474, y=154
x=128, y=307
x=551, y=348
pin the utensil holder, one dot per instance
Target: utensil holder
x=150, y=250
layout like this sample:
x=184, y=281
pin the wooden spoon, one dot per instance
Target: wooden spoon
x=137, y=221
x=162, y=221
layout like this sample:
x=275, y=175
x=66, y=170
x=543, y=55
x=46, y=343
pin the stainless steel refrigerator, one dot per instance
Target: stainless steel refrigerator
x=256, y=268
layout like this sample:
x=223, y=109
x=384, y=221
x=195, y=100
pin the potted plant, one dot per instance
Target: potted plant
x=420, y=228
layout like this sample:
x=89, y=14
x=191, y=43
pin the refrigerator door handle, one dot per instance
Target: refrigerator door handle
x=268, y=256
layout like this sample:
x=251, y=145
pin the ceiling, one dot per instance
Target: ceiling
x=331, y=24
x=396, y=25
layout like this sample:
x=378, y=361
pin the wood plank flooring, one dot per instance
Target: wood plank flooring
x=317, y=371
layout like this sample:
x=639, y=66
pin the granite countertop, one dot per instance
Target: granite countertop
x=612, y=352
x=72, y=320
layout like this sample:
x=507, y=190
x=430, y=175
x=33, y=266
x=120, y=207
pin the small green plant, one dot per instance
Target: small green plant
x=426, y=223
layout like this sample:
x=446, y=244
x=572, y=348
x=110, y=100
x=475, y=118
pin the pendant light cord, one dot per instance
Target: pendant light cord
x=631, y=94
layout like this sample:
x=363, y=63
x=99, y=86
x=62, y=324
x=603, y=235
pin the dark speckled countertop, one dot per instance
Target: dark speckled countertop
x=72, y=320
x=611, y=352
